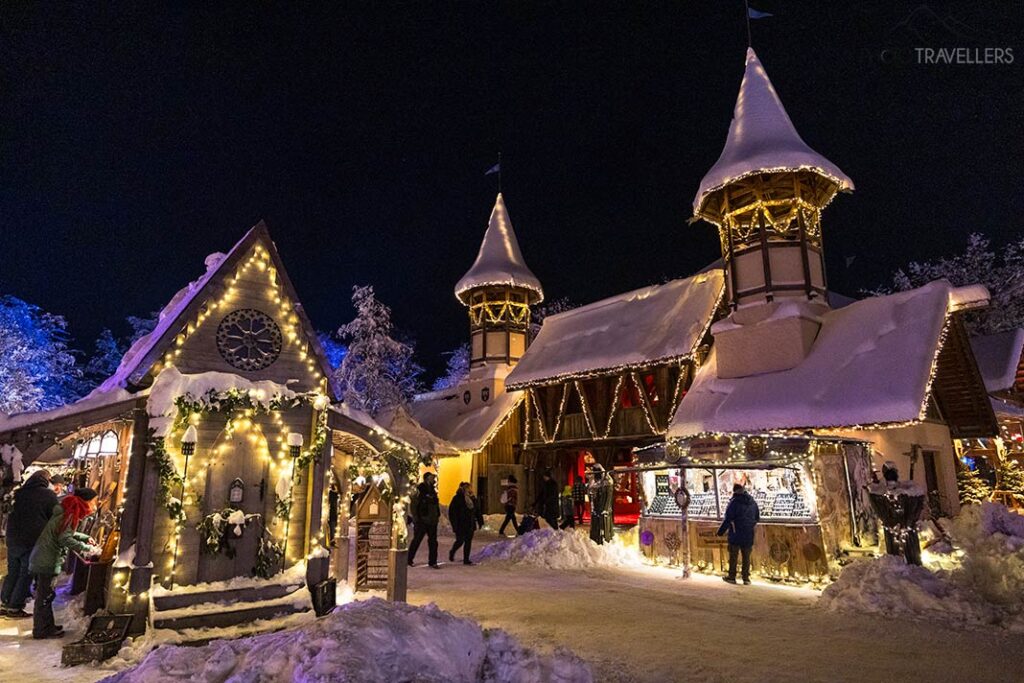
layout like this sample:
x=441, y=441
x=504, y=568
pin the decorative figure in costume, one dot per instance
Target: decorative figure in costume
x=601, y=492
x=899, y=505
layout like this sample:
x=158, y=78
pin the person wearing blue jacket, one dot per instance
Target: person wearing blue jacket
x=741, y=517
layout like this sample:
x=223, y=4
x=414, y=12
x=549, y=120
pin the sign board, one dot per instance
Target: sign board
x=373, y=541
x=707, y=537
x=709, y=449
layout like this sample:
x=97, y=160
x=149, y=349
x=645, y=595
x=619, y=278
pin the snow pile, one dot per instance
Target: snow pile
x=560, y=549
x=372, y=640
x=978, y=580
x=171, y=384
x=992, y=540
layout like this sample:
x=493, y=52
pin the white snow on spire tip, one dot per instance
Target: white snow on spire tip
x=499, y=262
x=762, y=138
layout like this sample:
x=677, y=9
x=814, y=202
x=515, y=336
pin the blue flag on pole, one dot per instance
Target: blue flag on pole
x=494, y=169
x=755, y=14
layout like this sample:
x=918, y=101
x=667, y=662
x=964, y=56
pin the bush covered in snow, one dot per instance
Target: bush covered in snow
x=979, y=580
x=559, y=549
x=372, y=640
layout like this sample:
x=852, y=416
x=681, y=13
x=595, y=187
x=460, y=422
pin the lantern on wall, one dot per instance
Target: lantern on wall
x=188, y=441
x=294, y=444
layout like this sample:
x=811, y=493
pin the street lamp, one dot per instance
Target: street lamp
x=188, y=449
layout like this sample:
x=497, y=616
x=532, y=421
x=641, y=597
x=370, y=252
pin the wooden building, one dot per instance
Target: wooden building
x=479, y=417
x=605, y=379
x=211, y=447
x=1001, y=362
x=888, y=378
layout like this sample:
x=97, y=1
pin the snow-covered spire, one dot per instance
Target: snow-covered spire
x=762, y=139
x=499, y=262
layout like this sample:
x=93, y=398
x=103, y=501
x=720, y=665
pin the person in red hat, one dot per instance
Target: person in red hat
x=59, y=536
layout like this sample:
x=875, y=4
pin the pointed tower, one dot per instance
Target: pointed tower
x=765, y=194
x=498, y=290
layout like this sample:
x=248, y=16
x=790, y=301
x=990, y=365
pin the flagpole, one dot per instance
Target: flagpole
x=750, y=41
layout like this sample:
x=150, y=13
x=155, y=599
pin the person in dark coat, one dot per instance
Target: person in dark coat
x=547, y=500
x=579, y=499
x=602, y=499
x=33, y=506
x=58, y=537
x=465, y=516
x=510, y=499
x=426, y=511
x=741, y=516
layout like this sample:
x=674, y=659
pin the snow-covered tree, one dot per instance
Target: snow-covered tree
x=378, y=371
x=333, y=349
x=105, y=358
x=458, y=368
x=1002, y=272
x=37, y=370
x=973, y=489
x=108, y=349
x=1010, y=477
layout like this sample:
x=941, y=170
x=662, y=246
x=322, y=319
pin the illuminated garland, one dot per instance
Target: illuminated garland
x=287, y=312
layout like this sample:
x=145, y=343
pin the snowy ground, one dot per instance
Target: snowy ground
x=644, y=624
x=638, y=623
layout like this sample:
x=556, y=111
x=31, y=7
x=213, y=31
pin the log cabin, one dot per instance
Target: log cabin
x=213, y=446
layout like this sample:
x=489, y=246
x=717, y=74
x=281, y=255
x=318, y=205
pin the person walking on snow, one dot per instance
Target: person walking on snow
x=510, y=499
x=33, y=506
x=741, y=516
x=51, y=550
x=547, y=499
x=579, y=499
x=465, y=515
x=426, y=512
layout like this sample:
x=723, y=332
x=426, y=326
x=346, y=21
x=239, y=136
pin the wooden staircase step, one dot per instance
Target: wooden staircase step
x=229, y=596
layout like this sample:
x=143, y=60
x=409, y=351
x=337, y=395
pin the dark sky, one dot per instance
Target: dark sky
x=133, y=143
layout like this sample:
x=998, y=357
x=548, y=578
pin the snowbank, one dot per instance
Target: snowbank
x=372, y=640
x=978, y=580
x=559, y=549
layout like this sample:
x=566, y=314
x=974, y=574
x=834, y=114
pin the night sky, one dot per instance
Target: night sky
x=134, y=144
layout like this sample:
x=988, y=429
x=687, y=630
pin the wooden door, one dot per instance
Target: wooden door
x=240, y=458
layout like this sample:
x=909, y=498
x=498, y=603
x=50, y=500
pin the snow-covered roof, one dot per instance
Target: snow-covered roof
x=652, y=325
x=762, y=139
x=468, y=431
x=998, y=357
x=499, y=261
x=95, y=400
x=400, y=422
x=870, y=364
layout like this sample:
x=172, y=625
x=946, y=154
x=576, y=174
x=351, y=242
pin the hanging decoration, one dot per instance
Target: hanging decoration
x=217, y=530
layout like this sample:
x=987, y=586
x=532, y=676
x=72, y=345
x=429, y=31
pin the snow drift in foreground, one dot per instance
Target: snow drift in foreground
x=371, y=640
x=979, y=581
x=560, y=549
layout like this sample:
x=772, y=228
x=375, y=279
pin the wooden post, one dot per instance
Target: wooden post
x=398, y=558
x=134, y=478
x=340, y=557
x=141, y=579
x=317, y=568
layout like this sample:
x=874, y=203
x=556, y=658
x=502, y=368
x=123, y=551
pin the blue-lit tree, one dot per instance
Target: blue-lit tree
x=37, y=369
x=458, y=368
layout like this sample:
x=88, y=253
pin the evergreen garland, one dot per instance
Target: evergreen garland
x=170, y=482
x=216, y=531
x=269, y=556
